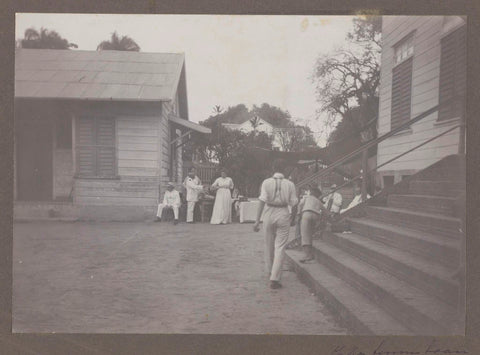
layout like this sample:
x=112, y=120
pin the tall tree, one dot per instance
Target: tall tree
x=117, y=43
x=349, y=77
x=295, y=138
x=45, y=39
x=230, y=149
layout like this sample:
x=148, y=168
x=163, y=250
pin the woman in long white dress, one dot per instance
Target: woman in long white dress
x=222, y=209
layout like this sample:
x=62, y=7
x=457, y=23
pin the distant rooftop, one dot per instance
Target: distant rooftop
x=97, y=75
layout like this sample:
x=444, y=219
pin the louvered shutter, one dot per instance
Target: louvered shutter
x=452, y=74
x=95, y=146
x=105, y=146
x=85, y=146
x=401, y=93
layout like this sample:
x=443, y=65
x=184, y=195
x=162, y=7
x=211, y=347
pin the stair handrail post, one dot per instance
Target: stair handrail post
x=364, y=174
x=461, y=141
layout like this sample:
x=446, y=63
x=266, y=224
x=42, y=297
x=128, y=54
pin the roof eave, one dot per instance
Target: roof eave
x=90, y=99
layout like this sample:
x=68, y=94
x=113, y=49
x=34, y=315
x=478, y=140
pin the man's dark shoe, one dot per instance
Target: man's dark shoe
x=175, y=222
x=158, y=219
x=275, y=284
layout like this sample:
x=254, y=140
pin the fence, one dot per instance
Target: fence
x=206, y=172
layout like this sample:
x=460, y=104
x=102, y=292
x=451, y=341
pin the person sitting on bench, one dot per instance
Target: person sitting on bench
x=171, y=200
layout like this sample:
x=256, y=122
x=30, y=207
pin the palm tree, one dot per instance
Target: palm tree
x=44, y=39
x=217, y=109
x=116, y=43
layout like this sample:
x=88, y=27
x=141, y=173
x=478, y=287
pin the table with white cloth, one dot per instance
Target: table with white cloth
x=248, y=210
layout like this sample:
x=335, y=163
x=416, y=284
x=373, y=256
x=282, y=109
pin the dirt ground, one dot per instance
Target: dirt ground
x=154, y=278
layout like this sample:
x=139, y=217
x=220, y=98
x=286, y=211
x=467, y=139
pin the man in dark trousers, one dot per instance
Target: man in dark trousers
x=277, y=194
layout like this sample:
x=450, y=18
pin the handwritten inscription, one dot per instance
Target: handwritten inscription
x=386, y=349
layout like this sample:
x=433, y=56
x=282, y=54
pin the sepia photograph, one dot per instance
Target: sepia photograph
x=239, y=174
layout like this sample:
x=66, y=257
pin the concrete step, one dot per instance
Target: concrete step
x=432, y=278
x=421, y=221
x=432, y=247
x=419, y=312
x=424, y=203
x=448, y=173
x=351, y=308
x=449, y=168
x=437, y=188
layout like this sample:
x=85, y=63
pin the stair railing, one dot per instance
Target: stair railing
x=360, y=176
x=364, y=150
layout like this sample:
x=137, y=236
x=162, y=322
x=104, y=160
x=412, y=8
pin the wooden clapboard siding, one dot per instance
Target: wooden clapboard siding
x=136, y=163
x=425, y=88
x=137, y=154
x=136, y=158
x=137, y=172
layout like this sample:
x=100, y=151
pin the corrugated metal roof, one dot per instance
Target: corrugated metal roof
x=97, y=75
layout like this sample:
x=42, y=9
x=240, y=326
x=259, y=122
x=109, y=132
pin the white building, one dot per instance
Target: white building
x=423, y=65
x=261, y=126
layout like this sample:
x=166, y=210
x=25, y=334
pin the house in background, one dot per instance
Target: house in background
x=423, y=65
x=97, y=131
x=260, y=125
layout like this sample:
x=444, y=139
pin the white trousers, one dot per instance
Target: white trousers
x=276, y=224
x=162, y=206
x=190, y=208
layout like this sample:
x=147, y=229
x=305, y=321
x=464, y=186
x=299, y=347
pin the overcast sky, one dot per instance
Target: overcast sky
x=229, y=59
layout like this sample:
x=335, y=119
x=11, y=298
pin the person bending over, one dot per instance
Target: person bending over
x=311, y=209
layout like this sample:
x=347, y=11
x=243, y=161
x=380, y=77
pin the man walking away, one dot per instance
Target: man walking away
x=193, y=186
x=171, y=199
x=277, y=193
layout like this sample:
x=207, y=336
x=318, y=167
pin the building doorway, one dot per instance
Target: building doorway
x=34, y=161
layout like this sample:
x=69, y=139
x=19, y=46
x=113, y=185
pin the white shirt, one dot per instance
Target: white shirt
x=171, y=198
x=193, y=187
x=278, y=191
x=337, y=202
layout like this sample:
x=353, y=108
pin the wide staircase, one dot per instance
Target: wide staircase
x=393, y=272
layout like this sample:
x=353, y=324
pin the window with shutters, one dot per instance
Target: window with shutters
x=453, y=73
x=402, y=82
x=95, y=146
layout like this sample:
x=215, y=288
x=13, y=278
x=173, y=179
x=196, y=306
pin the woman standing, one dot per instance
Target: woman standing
x=222, y=209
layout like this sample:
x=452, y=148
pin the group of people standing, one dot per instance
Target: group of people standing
x=222, y=208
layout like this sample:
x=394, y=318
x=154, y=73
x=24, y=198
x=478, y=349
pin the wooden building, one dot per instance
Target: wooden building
x=423, y=65
x=98, y=128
